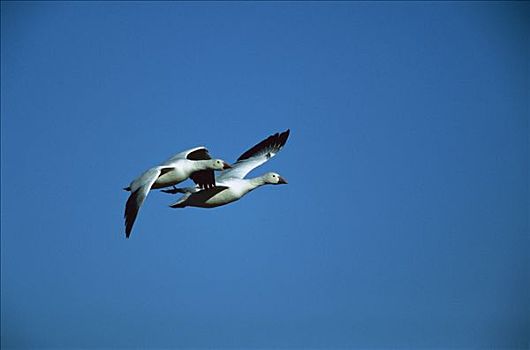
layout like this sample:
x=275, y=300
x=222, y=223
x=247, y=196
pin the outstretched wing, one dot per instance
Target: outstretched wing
x=197, y=153
x=139, y=190
x=256, y=156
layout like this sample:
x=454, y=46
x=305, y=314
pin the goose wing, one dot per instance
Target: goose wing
x=139, y=190
x=196, y=153
x=203, y=178
x=256, y=156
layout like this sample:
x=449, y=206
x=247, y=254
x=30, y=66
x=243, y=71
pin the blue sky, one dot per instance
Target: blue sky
x=405, y=221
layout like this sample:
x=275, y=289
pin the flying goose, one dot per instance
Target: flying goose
x=231, y=184
x=194, y=163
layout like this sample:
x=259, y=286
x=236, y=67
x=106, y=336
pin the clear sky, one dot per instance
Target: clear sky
x=405, y=220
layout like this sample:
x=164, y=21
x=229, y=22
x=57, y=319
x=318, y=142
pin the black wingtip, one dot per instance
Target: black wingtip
x=128, y=229
x=275, y=142
x=204, y=178
x=131, y=212
x=199, y=154
x=177, y=205
x=284, y=136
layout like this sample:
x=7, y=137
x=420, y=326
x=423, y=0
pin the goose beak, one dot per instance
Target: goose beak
x=282, y=181
x=226, y=166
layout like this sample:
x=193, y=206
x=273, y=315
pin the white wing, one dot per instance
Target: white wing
x=255, y=156
x=196, y=153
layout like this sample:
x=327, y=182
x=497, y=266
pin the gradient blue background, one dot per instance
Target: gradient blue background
x=405, y=221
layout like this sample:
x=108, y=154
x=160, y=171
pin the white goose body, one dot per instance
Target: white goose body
x=236, y=188
x=231, y=184
x=194, y=163
x=170, y=175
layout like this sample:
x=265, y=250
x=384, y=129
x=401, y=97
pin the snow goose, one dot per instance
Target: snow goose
x=194, y=163
x=231, y=184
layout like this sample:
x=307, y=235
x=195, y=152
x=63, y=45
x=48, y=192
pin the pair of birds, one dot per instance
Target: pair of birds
x=209, y=191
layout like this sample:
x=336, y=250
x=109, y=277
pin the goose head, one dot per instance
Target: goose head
x=219, y=164
x=274, y=179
